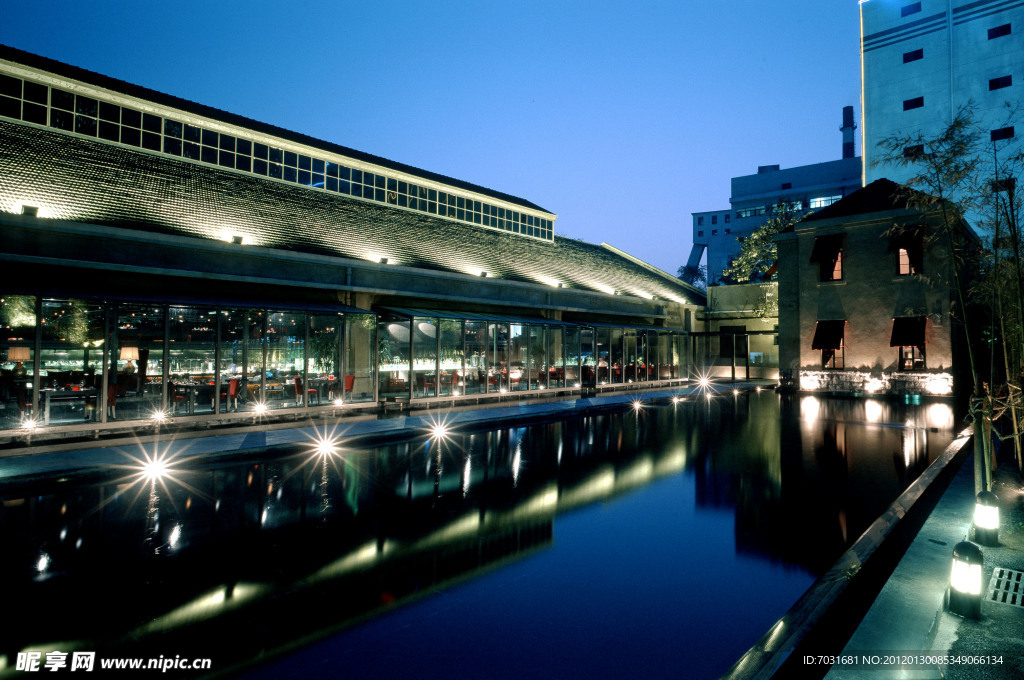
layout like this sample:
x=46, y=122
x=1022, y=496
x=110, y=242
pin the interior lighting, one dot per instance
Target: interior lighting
x=963, y=597
x=43, y=563
x=326, y=446
x=986, y=519
x=338, y=402
x=259, y=408
x=638, y=405
x=158, y=416
x=439, y=431
x=30, y=423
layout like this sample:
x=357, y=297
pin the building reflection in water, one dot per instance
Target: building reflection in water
x=294, y=544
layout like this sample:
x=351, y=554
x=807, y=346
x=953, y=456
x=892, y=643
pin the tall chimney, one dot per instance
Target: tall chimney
x=847, y=130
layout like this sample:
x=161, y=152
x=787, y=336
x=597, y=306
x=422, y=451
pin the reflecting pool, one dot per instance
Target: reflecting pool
x=655, y=541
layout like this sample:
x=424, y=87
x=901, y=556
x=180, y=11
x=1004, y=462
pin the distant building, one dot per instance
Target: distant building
x=807, y=187
x=865, y=292
x=923, y=60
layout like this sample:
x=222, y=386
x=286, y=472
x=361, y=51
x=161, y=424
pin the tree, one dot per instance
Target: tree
x=694, y=275
x=758, y=251
x=966, y=171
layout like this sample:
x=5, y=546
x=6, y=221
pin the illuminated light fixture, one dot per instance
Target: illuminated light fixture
x=129, y=353
x=19, y=354
x=30, y=210
x=326, y=446
x=237, y=240
x=676, y=400
x=735, y=392
x=383, y=260
x=579, y=385
x=159, y=416
x=963, y=597
x=154, y=469
x=638, y=406
x=43, y=563
x=339, y=402
x=259, y=408
x=439, y=431
x=29, y=424
x=757, y=389
x=986, y=519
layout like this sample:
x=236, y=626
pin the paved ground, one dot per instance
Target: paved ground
x=908, y=616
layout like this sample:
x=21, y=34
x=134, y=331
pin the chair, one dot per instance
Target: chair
x=115, y=392
x=332, y=391
x=229, y=394
x=311, y=392
x=176, y=396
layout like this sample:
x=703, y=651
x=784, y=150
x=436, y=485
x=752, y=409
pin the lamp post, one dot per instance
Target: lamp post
x=963, y=597
x=986, y=519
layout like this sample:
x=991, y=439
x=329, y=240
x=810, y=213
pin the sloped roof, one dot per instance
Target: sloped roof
x=82, y=180
x=75, y=73
x=879, y=196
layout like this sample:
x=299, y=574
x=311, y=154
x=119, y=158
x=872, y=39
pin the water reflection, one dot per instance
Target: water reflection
x=298, y=544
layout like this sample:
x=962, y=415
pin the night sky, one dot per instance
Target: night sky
x=620, y=118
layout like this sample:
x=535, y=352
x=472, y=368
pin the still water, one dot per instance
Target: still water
x=654, y=543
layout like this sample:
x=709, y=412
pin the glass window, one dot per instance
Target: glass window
x=137, y=343
x=243, y=146
x=240, y=365
x=172, y=146
x=34, y=92
x=325, y=356
x=62, y=120
x=360, y=356
x=290, y=158
x=59, y=99
x=131, y=118
x=286, y=337
x=193, y=345
x=190, y=150
x=451, y=357
x=86, y=106
x=131, y=136
x=602, y=338
x=424, y=364
x=17, y=347
x=587, y=351
x=151, y=123
x=151, y=141
x=192, y=134
x=260, y=150
x=615, y=351
x=556, y=357
x=536, y=365
x=276, y=155
x=572, y=356
x=305, y=163
x=475, y=376
x=497, y=357
x=172, y=128
x=85, y=126
x=518, y=357
x=227, y=142
x=393, y=335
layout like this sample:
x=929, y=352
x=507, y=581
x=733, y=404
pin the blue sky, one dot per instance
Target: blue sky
x=621, y=118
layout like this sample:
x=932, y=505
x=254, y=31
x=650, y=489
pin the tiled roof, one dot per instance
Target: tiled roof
x=80, y=180
x=75, y=73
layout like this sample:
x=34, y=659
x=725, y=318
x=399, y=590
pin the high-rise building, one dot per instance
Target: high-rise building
x=924, y=60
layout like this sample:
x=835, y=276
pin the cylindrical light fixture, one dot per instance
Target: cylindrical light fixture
x=963, y=597
x=986, y=519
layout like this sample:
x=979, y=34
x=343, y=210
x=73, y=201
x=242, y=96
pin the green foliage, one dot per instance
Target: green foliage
x=758, y=251
x=695, y=276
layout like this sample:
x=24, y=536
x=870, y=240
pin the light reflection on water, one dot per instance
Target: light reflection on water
x=644, y=540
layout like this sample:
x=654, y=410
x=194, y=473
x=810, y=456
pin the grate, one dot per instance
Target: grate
x=1007, y=587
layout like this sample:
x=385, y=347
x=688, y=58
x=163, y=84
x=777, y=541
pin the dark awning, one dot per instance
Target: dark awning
x=828, y=334
x=908, y=331
x=826, y=247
